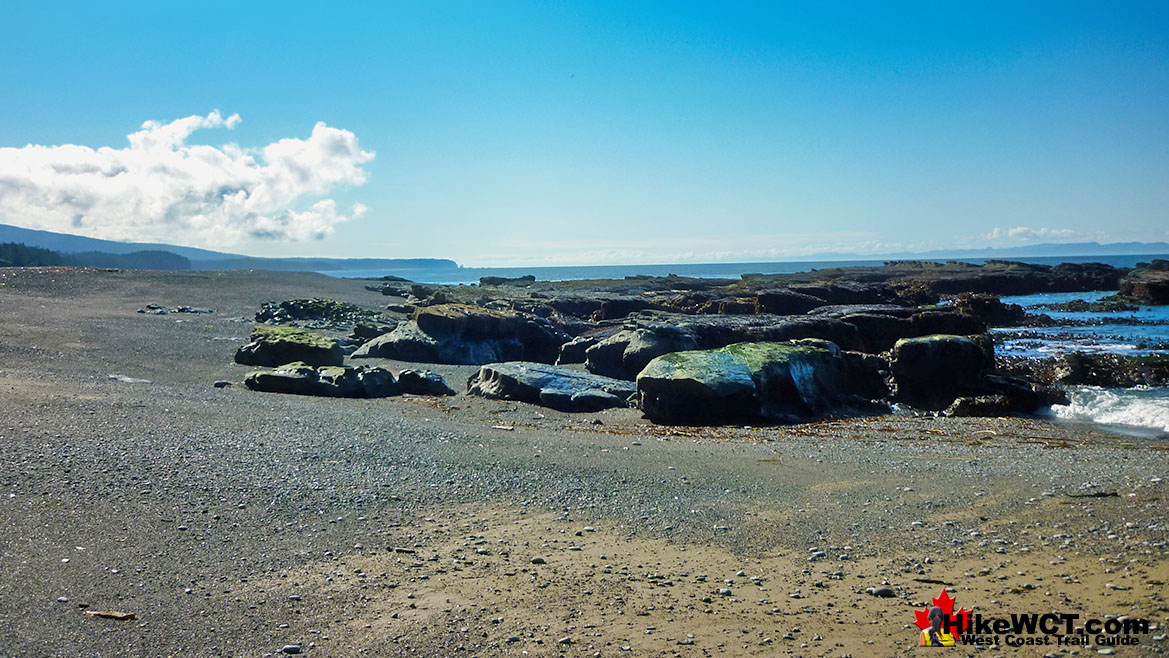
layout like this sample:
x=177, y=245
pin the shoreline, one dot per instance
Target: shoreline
x=248, y=499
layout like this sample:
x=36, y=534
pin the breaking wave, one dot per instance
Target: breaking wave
x=1140, y=407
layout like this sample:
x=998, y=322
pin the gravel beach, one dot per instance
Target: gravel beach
x=235, y=523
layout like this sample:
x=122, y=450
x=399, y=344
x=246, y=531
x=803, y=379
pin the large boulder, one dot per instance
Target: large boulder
x=274, y=346
x=777, y=382
x=300, y=378
x=931, y=371
x=423, y=382
x=467, y=335
x=625, y=353
x=550, y=386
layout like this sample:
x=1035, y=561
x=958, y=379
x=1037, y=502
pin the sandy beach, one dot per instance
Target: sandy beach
x=230, y=522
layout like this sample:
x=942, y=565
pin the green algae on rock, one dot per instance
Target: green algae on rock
x=274, y=346
x=781, y=382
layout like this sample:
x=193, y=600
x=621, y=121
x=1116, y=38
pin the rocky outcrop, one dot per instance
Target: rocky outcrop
x=1082, y=369
x=1006, y=277
x=1148, y=284
x=777, y=382
x=274, y=346
x=300, y=378
x=467, y=335
x=880, y=332
x=850, y=292
x=991, y=311
x=520, y=281
x=625, y=353
x=550, y=386
x=323, y=311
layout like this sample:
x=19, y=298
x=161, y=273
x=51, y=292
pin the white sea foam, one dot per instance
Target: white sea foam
x=1142, y=407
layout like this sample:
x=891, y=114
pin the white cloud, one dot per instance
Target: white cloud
x=1026, y=235
x=159, y=188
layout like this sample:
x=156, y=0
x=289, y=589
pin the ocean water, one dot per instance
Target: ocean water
x=469, y=275
x=1144, y=331
x=1140, y=411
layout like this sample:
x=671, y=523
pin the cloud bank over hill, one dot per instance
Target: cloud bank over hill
x=161, y=188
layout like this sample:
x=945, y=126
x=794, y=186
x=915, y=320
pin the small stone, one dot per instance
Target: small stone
x=882, y=592
x=724, y=591
x=63, y=599
x=290, y=648
x=294, y=597
x=223, y=383
x=539, y=560
x=564, y=640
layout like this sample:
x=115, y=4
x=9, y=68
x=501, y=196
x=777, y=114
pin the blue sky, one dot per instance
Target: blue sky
x=557, y=133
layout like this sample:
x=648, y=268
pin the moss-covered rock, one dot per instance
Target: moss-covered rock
x=625, y=353
x=781, y=382
x=274, y=346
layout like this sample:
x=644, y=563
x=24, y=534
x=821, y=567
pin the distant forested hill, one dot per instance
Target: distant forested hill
x=19, y=255
x=203, y=259
x=13, y=254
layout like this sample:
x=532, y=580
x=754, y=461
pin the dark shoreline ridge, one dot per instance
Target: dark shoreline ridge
x=853, y=340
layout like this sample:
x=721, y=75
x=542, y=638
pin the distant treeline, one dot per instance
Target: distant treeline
x=13, y=254
x=19, y=255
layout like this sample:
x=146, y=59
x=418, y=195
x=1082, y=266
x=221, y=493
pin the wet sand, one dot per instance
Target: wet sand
x=235, y=523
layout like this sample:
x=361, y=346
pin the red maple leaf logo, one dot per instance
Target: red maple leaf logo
x=957, y=620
